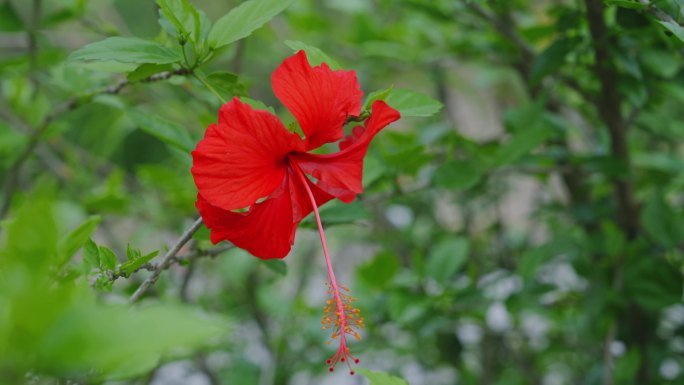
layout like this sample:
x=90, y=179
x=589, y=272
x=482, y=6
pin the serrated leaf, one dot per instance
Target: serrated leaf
x=315, y=55
x=129, y=267
x=108, y=259
x=76, y=239
x=183, y=15
x=446, y=258
x=381, y=378
x=168, y=132
x=242, y=20
x=411, y=103
x=126, y=50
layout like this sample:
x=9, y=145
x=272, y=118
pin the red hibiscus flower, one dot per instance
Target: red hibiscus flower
x=257, y=180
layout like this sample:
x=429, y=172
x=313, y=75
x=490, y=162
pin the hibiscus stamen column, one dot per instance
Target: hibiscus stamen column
x=339, y=314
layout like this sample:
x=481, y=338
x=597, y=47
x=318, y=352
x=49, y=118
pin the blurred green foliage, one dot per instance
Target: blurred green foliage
x=522, y=223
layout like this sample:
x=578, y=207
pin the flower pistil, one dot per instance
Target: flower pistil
x=339, y=314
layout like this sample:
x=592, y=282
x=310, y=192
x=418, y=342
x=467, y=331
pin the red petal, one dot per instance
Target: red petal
x=340, y=174
x=318, y=97
x=266, y=230
x=241, y=159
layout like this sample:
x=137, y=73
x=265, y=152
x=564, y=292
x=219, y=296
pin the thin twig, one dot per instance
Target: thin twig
x=167, y=260
x=609, y=109
x=12, y=179
x=211, y=253
x=179, y=259
x=658, y=13
x=185, y=285
x=47, y=155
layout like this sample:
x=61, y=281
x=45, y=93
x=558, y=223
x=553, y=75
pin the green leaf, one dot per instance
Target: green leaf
x=661, y=222
x=132, y=253
x=631, y=19
x=108, y=259
x=76, y=239
x=127, y=50
x=377, y=95
x=168, y=132
x=534, y=257
x=380, y=378
x=446, y=258
x=120, y=340
x=31, y=238
x=379, y=271
x=314, y=54
x=91, y=255
x=457, y=175
x=278, y=266
x=410, y=103
x=522, y=143
x=552, y=58
x=613, y=239
x=630, y=4
x=129, y=267
x=531, y=126
x=670, y=163
x=675, y=28
x=661, y=62
x=184, y=16
x=653, y=283
x=9, y=19
x=147, y=70
x=226, y=83
x=242, y=20
x=256, y=104
x=409, y=160
x=338, y=212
